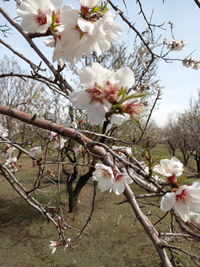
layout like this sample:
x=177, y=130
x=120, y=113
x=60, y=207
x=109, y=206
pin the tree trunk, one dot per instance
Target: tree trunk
x=74, y=193
x=71, y=205
x=197, y=158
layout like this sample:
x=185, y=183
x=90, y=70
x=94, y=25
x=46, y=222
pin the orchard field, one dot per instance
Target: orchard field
x=113, y=237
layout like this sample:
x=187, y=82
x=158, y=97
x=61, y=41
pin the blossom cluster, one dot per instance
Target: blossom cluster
x=57, y=244
x=106, y=96
x=74, y=33
x=176, y=45
x=59, y=142
x=11, y=161
x=184, y=199
x=110, y=179
x=190, y=62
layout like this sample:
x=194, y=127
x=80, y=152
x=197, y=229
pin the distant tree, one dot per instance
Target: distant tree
x=170, y=135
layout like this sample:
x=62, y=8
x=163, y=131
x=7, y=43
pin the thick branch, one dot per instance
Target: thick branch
x=102, y=154
x=64, y=131
x=197, y=3
x=148, y=227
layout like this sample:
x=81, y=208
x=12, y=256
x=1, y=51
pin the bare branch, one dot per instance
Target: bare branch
x=197, y=3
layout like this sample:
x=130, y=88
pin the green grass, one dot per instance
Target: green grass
x=114, y=236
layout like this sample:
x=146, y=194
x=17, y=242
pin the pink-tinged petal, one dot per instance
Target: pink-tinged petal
x=80, y=99
x=37, y=15
x=168, y=202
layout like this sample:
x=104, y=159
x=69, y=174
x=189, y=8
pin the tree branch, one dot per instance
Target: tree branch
x=103, y=155
x=197, y=3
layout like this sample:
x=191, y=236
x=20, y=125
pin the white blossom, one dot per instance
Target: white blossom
x=120, y=181
x=80, y=37
x=78, y=150
x=102, y=90
x=119, y=119
x=109, y=179
x=186, y=201
x=80, y=99
x=54, y=245
x=196, y=65
x=34, y=151
x=37, y=15
x=3, y=131
x=10, y=150
x=59, y=142
x=67, y=243
x=89, y=3
x=189, y=62
x=11, y=160
x=177, y=45
x=104, y=176
x=96, y=111
x=74, y=125
x=53, y=136
x=169, y=167
x=11, y=163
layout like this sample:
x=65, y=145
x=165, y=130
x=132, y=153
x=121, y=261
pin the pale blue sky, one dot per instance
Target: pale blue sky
x=180, y=83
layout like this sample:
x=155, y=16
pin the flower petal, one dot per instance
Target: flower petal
x=80, y=99
x=123, y=77
x=168, y=202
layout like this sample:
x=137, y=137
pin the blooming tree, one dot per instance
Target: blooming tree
x=105, y=99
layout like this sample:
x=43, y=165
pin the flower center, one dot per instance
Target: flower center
x=41, y=18
x=172, y=179
x=109, y=93
x=119, y=177
x=105, y=173
x=183, y=196
x=97, y=93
